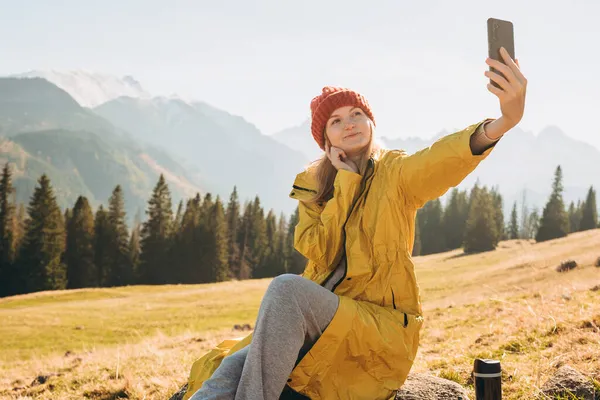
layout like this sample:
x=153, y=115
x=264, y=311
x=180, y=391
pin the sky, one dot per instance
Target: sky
x=420, y=64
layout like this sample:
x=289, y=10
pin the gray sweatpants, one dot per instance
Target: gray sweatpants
x=293, y=314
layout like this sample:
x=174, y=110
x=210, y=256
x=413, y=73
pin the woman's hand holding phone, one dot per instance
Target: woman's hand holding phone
x=511, y=93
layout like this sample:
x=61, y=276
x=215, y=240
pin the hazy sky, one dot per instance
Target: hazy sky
x=420, y=64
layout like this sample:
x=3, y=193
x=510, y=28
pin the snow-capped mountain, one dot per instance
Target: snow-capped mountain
x=90, y=89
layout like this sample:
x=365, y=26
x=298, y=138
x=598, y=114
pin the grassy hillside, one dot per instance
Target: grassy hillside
x=43, y=130
x=34, y=104
x=87, y=164
x=196, y=134
x=139, y=342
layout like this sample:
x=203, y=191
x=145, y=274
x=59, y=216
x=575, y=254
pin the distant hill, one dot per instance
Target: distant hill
x=219, y=150
x=522, y=163
x=43, y=130
x=203, y=147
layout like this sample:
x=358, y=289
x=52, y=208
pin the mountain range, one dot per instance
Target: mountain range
x=220, y=150
x=197, y=147
x=90, y=132
x=90, y=89
x=44, y=130
x=522, y=165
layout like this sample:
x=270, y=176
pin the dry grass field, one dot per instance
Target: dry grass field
x=139, y=342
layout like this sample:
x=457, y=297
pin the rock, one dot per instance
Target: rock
x=569, y=382
x=245, y=327
x=41, y=379
x=417, y=387
x=566, y=266
x=429, y=387
x=597, y=262
x=595, y=288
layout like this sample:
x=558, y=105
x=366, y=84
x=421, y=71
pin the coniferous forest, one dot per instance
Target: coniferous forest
x=209, y=239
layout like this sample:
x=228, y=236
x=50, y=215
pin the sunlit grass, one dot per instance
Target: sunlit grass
x=139, y=342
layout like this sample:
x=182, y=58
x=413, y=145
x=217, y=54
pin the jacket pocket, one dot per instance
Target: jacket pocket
x=396, y=351
x=393, y=299
x=405, y=320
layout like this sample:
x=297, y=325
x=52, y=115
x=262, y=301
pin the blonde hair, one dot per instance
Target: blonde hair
x=325, y=172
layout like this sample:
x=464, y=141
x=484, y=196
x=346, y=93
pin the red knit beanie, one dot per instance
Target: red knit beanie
x=327, y=102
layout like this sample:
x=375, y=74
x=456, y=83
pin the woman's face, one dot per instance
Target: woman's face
x=349, y=129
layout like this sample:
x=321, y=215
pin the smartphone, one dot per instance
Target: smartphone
x=500, y=34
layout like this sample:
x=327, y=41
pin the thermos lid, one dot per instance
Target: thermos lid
x=485, y=368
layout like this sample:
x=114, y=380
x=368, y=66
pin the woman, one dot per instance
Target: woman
x=348, y=327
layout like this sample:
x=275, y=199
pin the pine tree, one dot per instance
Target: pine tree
x=574, y=218
x=554, y=223
x=417, y=242
x=430, y=218
x=498, y=205
x=134, y=252
x=176, y=274
x=296, y=262
x=514, y=223
x=481, y=233
x=102, y=239
x=589, y=214
x=273, y=261
x=281, y=251
x=189, y=246
x=217, y=260
x=233, y=225
x=135, y=249
x=79, y=253
x=205, y=238
x=267, y=267
x=178, y=217
x=7, y=232
x=533, y=222
x=455, y=219
x=243, y=241
x=206, y=207
x=44, y=242
x=68, y=215
x=120, y=269
x=19, y=227
x=579, y=215
x=530, y=220
x=157, y=236
x=257, y=236
x=473, y=194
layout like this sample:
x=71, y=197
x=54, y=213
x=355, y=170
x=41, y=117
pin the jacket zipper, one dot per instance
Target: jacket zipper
x=362, y=190
x=394, y=304
x=338, y=257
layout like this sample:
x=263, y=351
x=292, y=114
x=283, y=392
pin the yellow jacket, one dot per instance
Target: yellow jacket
x=369, y=347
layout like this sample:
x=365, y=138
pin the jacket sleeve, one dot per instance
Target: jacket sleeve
x=429, y=173
x=318, y=234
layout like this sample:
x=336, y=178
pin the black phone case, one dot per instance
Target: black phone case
x=500, y=34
